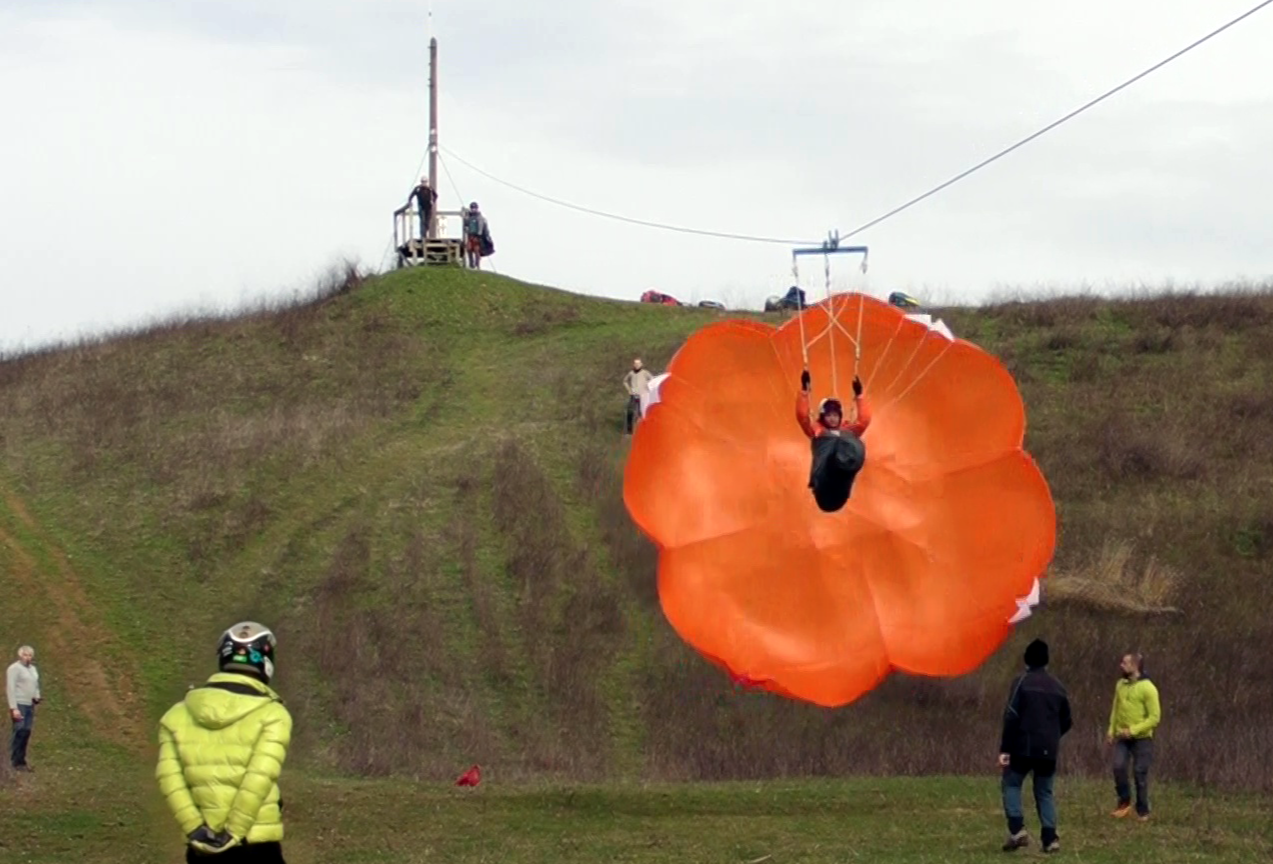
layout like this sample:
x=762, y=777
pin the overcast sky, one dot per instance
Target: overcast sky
x=162, y=156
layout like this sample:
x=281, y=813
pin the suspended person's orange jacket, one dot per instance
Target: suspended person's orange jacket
x=814, y=428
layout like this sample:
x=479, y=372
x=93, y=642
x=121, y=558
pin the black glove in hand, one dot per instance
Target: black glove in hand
x=857, y=386
x=205, y=842
x=805, y=380
x=203, y=832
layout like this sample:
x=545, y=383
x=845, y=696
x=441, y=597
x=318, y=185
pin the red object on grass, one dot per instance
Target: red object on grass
x=471, y=777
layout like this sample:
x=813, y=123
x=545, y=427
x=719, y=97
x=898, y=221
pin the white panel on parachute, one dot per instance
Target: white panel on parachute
x=651, y=394
x=1025, y=605
x=933, y=324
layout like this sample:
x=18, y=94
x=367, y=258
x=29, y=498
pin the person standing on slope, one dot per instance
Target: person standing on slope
x=1133, y=718
x=1036, y=718
x=22, y=687
x=637, y=383
x=221, y=751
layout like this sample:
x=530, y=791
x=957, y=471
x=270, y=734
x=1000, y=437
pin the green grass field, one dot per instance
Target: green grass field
x=417, y=482
x=63, y=818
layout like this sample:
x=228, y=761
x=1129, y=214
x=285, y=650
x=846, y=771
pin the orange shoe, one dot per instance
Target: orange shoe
x=1121, y=811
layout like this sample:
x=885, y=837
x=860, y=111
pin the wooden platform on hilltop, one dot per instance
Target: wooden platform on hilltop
x=441, y=251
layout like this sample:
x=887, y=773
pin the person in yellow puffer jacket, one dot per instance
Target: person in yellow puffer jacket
x=1133, y=718
x=221, y=751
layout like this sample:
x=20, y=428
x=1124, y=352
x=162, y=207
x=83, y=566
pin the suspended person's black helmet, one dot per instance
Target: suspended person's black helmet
x=248, y=647
x=828, y=406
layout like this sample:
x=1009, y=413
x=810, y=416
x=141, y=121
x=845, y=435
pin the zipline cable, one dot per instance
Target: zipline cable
x=896, y=210
x=1056, y=123
x=594, y=212
x=454, y=186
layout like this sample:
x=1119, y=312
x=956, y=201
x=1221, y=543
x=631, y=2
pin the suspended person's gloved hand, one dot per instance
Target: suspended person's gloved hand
x=857, y=386
x=804, y=380
x=203, y=841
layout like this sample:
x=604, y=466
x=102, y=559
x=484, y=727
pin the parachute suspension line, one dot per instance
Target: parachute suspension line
x=909, y=360
x=879, y=360
x=804, y=344
x=857, y=343
x=828, y=248
x=831, y=314
x=905, y=366
x=922, y=373
x=833, y=323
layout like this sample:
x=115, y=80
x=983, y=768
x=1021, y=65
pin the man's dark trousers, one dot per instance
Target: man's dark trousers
x=1139, y=751
x=21, y=736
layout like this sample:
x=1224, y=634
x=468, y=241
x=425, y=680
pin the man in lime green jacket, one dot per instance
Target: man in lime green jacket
x=221, y=750
x=1132, y=720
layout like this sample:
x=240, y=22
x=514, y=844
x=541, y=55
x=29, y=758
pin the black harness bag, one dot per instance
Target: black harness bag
x=837, y=459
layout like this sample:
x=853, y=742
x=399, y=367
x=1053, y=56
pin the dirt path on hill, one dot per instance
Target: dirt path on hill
x=76, y=637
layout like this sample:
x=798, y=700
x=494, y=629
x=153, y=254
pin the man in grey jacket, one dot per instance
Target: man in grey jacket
x=22, y=686
x=636, y=382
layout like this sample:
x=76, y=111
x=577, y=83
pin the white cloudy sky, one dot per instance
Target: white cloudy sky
x=160, y=156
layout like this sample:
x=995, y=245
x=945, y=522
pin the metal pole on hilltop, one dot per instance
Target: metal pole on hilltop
x=433, y=129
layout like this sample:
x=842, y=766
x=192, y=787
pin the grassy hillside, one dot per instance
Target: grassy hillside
x=418, y=483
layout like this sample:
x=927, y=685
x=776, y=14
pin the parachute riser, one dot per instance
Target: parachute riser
x=830, y=246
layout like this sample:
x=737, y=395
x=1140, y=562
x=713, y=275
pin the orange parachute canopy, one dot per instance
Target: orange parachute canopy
x=925, y=569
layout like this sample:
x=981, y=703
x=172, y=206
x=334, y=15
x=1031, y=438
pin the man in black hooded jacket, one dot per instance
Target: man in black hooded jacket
x=1035, y=719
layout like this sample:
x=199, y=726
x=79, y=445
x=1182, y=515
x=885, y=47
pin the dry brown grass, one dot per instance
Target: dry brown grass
x=1113, y=582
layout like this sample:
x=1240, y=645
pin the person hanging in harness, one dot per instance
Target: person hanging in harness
x=837, y=448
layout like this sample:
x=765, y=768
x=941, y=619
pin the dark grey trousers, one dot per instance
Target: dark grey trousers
x=1140, y=753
